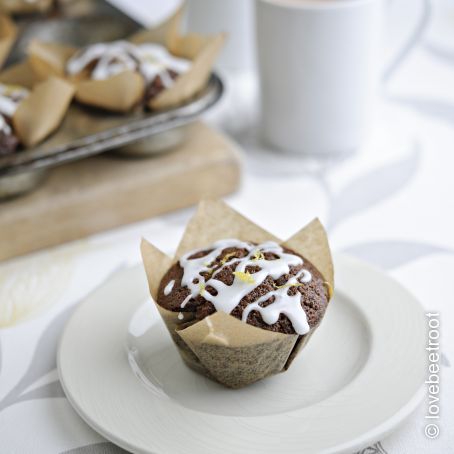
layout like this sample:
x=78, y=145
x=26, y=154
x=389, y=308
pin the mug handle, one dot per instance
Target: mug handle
x=410, y=42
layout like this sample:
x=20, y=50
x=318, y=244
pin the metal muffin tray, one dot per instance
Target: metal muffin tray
x=87, y=131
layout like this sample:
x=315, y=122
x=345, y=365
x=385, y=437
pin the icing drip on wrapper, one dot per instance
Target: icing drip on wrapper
x=109, y=59
x=169, y=287
x=227, y=297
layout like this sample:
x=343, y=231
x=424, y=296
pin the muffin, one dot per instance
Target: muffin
x=241, y=309
x=25, y=116
x=153, y=62
x=155, y=68
x=265, y=285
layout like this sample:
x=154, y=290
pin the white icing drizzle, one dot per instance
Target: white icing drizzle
x=289, y=305
x=168, y=288
x=156, y=59
x=10, y=97
x=150, y=60
x=4, y=126
x=228, y=296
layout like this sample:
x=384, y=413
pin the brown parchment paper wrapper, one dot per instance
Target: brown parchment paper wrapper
x=220, y=346
x=42, y=111
x=8, y=33
x=122, y=92
x=19, y=74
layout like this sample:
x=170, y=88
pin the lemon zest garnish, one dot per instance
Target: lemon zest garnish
x=244, y=277
x=201, y=288
x=224, y=260
x=258, y=255
x=209, y=270
x=227, y=257
x=296, y=284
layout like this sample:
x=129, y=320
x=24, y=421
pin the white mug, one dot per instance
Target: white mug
x=319, y=66
x=236, y=18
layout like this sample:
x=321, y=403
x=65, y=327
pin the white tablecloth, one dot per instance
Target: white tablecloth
x=391, y=204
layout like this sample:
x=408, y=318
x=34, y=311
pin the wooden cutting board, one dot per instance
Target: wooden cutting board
x=103, y=192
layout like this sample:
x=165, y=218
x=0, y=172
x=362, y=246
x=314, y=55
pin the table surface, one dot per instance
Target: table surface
x=390, y=204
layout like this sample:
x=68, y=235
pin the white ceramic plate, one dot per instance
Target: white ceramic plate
x=360, y=376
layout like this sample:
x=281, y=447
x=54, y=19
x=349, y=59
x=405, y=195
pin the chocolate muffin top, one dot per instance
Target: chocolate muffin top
x=154, y=62
x=265, y=285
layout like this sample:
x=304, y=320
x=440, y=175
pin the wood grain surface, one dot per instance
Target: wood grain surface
x=106, y=191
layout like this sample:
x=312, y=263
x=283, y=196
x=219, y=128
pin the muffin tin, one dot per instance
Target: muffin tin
x=86, y=131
